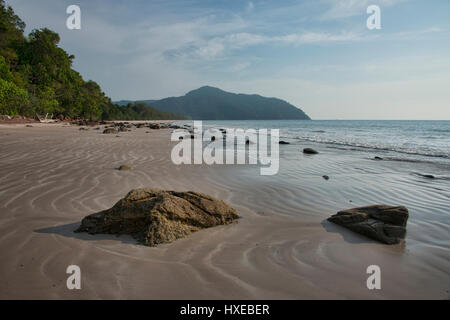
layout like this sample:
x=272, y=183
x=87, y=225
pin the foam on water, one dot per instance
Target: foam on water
x=414, y=171
x=415, y=138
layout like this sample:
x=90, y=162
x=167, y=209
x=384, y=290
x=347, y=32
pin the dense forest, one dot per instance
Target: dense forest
x=36, y=77
x=136, y=111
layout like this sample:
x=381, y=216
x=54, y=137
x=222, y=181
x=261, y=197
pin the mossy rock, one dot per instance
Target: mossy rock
x=154, y=216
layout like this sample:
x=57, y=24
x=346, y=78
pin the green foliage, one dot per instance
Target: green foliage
x=37, y=77
x=12, y=98
x=5, y=73
x=46, y=101
x=11, y=33
x=137, y=111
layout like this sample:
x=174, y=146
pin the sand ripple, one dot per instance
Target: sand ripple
x=51, y=177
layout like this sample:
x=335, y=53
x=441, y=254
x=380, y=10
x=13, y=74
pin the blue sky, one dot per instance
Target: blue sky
x=318, y=54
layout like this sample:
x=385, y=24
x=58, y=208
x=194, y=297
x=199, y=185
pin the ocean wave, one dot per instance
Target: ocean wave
x=368, y=146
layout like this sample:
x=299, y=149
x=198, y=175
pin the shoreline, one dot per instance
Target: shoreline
x=282, y=248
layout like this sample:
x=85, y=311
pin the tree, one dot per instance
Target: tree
x=37, y=77
x=12, y=98
x=93, y=98
x=11, y=34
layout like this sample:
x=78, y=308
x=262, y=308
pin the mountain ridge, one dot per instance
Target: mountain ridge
x=210, y=103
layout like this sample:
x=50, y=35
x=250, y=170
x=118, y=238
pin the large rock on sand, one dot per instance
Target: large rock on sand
x=155, y=216
x=380, y=222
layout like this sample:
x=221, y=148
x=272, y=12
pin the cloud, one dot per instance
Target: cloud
x=295, y=50
x=250, y=6
x=217, y=47
x=339, y=9
x=317, y=37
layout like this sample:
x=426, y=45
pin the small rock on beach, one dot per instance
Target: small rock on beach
x=310, y=151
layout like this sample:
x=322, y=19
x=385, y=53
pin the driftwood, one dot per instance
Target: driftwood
x=46, y=120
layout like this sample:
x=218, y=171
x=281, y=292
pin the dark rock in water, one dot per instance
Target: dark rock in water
x=213, y=138
x=124, y=168
x=326, y=177
x=284, y=142
x=110, y=131
x=377, y=158
x=380, y=222
x=249, y=142
x=310, y=151
x=155, y=216
x=429, y=176
x=192, y=136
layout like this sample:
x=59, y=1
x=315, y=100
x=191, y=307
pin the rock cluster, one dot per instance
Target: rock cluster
x=15, y=119
x=90, y=123
x=117, y=127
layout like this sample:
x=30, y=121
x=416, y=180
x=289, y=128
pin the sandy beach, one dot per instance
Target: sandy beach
x=52, y=176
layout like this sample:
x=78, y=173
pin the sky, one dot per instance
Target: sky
x=318, y=55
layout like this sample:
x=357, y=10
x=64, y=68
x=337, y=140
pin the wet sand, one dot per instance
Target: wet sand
x=51, y=176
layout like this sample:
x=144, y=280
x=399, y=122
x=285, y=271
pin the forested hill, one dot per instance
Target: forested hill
x=209, y=103
x=36, y=77
x=137, y=111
